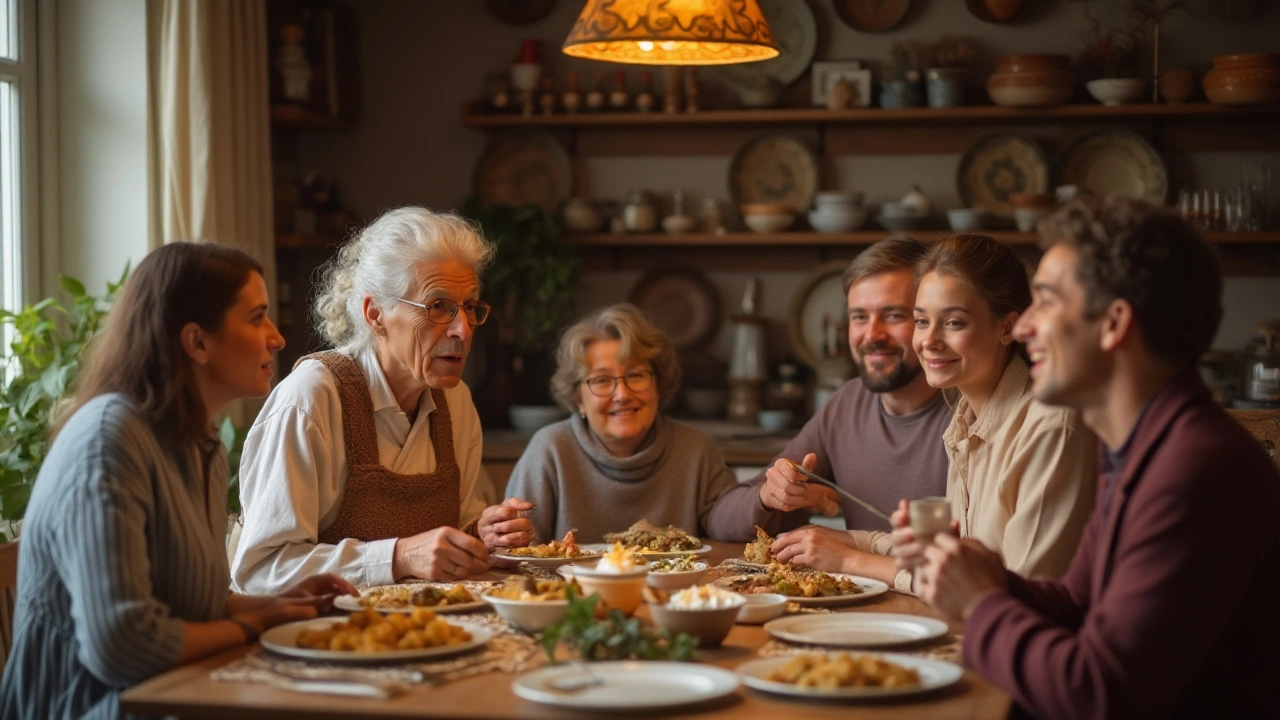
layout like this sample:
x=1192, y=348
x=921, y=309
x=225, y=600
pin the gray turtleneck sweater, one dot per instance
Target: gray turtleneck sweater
x=677, y=477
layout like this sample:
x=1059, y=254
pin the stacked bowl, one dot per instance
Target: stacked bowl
x=768, y=217
x=837, y=212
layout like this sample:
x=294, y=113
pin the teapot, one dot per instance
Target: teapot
x=917, y=201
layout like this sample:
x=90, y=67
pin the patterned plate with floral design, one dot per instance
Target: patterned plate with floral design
x=774, y=169
x=995, y=167
x=1115, y=160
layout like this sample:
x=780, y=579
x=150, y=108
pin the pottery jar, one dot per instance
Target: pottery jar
x=580, y=215
x=1031, y=81
x=1247, y=79
x=945, y=86
x=640, y=215
x=1177, y=86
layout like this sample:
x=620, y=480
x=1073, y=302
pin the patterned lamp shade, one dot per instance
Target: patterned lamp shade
x=675, y=32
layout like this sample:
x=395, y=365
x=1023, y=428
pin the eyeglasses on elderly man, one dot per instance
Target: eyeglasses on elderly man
x=442, y=312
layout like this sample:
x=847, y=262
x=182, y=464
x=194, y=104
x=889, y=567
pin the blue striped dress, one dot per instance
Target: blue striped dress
x=120, y=545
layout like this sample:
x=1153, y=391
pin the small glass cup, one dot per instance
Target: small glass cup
x=929, y=516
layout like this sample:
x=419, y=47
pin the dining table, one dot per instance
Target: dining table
x=191, y=691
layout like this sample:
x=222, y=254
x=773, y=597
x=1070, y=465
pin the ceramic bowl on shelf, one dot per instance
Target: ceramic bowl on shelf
x=529, y=419
x=836, y=218
x=769, y=223
x=1031, y=81
x=774, y=420
x=1177, y=85
x=966, y=219
x=1116, y=91
x=1244, y=79
x=1026, y=218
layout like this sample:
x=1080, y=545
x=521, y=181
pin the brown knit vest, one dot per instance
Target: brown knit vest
x=376, y=502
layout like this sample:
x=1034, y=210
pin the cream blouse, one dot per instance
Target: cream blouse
x=1022, y=476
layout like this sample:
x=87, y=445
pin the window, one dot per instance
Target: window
x=17, y=105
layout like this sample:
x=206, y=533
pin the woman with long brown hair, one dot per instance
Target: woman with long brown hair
x=1020, y=474
x=122, y=568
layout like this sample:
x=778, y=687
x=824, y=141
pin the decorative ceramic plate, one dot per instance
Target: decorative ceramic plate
x=524, y=166
x=682, y=302
x=774, y=169
x=934, y=674
x=283, y=639
x=796, y=33
x=860, y=629
x=821, y=302
x=872, y=15
x=627, y=685
x=997, y=166
x=1115, y=160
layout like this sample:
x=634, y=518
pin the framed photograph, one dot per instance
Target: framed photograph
x=827, y=74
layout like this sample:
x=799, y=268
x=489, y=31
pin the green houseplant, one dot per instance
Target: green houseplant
x=532, y=286
x=39, y=370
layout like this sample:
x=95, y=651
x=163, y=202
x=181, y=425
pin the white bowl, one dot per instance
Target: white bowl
x=1026, y=218
x=837, y=197
x=676, y=580
x=762, y=608
x=774, y=420
x=768, y=223
x=528, y=615
x=965, y=219
x=898, y=210
x=678, y=224
x=530, y=418
x=709, y=626
x=835, y=218
x=1116, y=91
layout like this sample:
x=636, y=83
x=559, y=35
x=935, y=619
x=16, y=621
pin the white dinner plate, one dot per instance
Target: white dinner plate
x=870, y=588
x=350, y=604
x=282, y=639
x=856, y=629
x=934, y=674
x=648, y=554
x=629, y=685
x=548, y=562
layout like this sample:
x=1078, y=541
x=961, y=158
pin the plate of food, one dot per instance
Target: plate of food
x=812, y=588
x=860, y=629
x=552, y=554
x=405, y=597
x=368, y=636
x=847, y=676
x=653, y=541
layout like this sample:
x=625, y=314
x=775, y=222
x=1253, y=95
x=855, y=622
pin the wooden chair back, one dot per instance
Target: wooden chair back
x=8, y=596
x=1265, y=425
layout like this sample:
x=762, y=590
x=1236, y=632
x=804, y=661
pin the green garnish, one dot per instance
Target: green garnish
x=615, y=638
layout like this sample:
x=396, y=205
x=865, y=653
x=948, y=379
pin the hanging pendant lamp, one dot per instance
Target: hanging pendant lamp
x=672, y=32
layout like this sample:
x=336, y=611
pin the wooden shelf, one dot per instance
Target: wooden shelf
x=816, y=239
x=301, y=116
x=472, y=117
x=292, y=241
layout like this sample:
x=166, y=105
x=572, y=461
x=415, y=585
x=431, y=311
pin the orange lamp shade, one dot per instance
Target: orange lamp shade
x=672, y=32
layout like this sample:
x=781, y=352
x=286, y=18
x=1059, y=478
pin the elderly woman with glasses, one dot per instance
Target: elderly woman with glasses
x=365, y=460
x=617, y=459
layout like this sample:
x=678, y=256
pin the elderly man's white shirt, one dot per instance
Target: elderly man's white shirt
x=294, y=468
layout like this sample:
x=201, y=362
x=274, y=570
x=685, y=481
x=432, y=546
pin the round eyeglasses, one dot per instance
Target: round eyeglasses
x=604, y=385
x=443, y=311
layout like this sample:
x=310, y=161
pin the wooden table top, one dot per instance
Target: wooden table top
x=189, y=692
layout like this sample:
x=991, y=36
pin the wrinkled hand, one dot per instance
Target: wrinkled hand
x=958, y=574
x=908, y=553
x=445, y=553
x=505, y=525
x=268, y=611
x=786, y=490
x=815, y=547
x=327, y=585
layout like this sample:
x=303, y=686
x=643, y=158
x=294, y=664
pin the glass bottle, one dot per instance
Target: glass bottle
x=644, y=98
x=618, y=98
x=595, y=96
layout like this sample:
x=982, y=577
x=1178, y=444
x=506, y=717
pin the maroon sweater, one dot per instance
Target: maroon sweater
x=1171, y=607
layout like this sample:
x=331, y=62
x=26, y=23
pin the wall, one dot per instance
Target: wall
x=100, y=126
x=422, y=60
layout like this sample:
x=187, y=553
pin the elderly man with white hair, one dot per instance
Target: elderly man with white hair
x=365, y=460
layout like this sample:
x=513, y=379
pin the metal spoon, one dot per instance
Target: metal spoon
x=823, y=481
x=576, y=683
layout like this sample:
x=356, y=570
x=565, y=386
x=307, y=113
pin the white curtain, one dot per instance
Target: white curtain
x=210, y=128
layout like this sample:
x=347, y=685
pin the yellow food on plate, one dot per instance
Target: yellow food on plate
x=842, y=670
x=794, y=582
x=757, y=551
x=527, y=588
x=401, y=596
x=566, y=548
x=370, y=631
